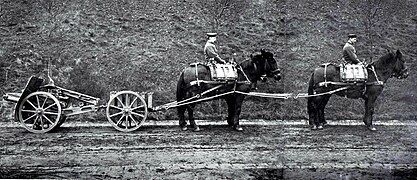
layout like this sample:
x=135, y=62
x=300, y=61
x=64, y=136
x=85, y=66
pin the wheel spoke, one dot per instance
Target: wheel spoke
x=44, y=102
x=31, y=104
x=30, y=118
x=34, y=122
x=50, y=113
x=137, y=114
x=127, y=99
x=120, y=101
x=116, y=107
x=115, y=114
x=126, y=121
x=137, y=107
x=119, y=121
x=37, y=100
x=131, y=117
x=47, y=119
x=42, y=124
x=25, y=110
x=49, y=106
x=136, y=98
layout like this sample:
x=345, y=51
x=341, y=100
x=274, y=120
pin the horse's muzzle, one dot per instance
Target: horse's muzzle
x=276, y=74
x=264, y=78
x=403, y=74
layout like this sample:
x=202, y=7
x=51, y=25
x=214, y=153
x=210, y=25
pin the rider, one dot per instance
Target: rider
x=210, y=50
x=349, y=52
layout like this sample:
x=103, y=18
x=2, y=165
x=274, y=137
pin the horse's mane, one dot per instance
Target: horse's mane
x=251, y=59
x=384, y=60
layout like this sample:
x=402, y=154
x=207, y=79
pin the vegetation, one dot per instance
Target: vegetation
x=99, y=46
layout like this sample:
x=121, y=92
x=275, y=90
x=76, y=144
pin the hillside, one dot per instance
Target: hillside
x=95, y=47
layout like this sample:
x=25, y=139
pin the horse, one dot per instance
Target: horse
x=248, y=72
x=379, y=71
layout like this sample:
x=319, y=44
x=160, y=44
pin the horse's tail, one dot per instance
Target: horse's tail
x=181, y=91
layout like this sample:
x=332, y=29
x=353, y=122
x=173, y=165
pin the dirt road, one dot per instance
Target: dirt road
x=272, y=150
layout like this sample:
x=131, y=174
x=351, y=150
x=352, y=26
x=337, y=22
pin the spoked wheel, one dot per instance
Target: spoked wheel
x=126, y=111
x=39, y=112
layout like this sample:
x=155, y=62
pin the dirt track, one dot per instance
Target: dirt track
x=274, y=150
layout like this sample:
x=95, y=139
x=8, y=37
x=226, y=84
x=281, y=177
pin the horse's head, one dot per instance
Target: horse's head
x=268, y=66
x=400, y=70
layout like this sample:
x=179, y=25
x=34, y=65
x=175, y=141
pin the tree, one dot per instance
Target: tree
x=219, y=12
x=374, y=15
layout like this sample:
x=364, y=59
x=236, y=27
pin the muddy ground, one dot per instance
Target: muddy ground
x=262, y=151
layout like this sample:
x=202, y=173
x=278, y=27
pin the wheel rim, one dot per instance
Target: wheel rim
x=126, y=111
x=39, y=112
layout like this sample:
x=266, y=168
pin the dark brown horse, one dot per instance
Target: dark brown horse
x=249, y=72
x=390, y=65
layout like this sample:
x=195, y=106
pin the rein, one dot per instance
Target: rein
x=378, y=82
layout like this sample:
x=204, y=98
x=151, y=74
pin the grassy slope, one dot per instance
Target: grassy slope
x=104, y=46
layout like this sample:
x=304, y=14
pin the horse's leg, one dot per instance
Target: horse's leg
x=312, y=105
x=181, y=116
x=238, y=108
x=312, y=112
x=369, y=112
x=230, y=109
x=321, y=118
x=190, y=109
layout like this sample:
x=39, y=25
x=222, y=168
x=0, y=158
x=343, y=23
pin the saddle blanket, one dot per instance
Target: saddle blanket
x=223, y=71
x=353, y=73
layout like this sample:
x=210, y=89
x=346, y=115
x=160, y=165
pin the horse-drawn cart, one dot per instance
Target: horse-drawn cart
x=43, y=107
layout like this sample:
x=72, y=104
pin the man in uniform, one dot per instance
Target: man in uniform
x=349, y=52
x=210, y=50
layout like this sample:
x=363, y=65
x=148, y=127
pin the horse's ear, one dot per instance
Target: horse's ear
x=399, y=54
x=389, y=51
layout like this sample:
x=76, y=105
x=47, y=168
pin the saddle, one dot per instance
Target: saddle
x=219, y=72
x=222, y=72
x=353, y=73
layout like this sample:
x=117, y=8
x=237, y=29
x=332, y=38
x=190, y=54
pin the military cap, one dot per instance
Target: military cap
x=211, y=34
x=352, y=36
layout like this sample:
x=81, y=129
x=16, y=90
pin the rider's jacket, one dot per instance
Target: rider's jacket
x=210, y=52
x=349, y=54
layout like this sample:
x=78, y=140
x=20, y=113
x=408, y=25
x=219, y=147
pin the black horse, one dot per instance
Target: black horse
x=249, y=71
x=390, y=65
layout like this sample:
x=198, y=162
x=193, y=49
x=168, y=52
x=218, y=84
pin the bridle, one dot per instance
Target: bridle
x=399, y=72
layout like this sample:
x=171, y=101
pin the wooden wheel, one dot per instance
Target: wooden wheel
x=39, y=112
x=126, y=111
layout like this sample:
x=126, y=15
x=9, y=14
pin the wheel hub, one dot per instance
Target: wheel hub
x=39, y=111
x=127, y=111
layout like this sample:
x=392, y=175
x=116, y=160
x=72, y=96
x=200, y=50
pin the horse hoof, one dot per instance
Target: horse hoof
x=320, y=127
x=184, y=128
x=196, y=129
x=238, y=128
x=314, y=127
x=371, y=128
